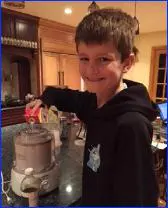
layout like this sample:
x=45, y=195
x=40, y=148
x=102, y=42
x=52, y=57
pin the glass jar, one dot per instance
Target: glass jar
x=33, y=148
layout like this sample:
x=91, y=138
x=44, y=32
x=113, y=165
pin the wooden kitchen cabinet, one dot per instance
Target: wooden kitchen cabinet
x=50, y=66
x=25, y=29
x=8, y=25
x=60, y=69
x=59, y=64
x=19, y=26
x=69, y=68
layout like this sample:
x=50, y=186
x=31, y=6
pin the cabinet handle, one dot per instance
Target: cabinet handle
x=59, y=78
x=63, y=78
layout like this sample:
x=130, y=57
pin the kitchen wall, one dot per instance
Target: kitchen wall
x=141, y=70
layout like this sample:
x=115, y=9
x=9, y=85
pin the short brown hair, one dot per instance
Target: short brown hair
x=106, y=25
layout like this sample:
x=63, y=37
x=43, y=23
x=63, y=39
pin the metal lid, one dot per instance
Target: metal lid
x=33, y=136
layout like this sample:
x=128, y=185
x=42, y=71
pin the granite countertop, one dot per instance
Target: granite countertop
x=71, y=157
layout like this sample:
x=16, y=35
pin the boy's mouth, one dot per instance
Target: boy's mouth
x=94, y=79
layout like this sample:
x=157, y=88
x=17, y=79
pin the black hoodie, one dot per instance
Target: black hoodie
x=118, y=164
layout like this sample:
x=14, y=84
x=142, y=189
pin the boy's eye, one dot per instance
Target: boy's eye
x=104, y=59
x=83, y=59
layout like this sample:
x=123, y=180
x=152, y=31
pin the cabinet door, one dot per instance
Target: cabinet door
x=50, y=69
x=7, y=25
x=25, y=30
x=69, y=71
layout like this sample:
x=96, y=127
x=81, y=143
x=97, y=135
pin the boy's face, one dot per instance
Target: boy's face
x=101, y=68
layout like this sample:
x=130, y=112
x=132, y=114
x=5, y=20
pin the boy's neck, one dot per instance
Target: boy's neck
x=105, y=97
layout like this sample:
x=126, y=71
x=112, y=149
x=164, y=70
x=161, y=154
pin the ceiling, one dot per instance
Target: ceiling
x=151, y=15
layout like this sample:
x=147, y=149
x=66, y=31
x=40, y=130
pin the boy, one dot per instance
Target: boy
x=118, y=167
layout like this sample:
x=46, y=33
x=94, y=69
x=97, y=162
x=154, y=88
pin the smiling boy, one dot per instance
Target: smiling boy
x=118, y=166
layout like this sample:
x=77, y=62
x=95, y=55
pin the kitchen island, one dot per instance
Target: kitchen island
x=71, y=156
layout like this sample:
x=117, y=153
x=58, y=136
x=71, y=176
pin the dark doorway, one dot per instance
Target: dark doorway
x=24, y=80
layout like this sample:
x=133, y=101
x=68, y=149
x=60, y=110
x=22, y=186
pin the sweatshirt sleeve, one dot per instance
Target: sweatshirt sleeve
x=134, y=174
x=69, y=100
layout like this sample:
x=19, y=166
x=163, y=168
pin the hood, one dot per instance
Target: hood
x=134, y=98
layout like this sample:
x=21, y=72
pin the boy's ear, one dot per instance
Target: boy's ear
x=128, y=62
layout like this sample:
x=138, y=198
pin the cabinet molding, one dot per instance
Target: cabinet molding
x=20, y=14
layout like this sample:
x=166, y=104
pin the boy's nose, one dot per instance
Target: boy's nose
x=93, y=68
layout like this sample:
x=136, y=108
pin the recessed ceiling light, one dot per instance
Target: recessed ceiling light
x=67, y=10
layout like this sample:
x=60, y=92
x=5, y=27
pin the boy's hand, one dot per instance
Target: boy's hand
x=34, y=105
